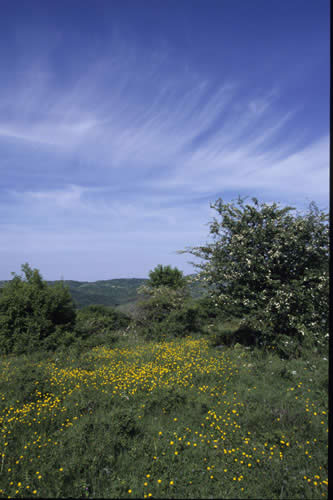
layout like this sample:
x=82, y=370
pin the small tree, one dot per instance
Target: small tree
x=165, y=292
x=157, y=303
x=166, y=276
x=269, y=267
x=34, y=315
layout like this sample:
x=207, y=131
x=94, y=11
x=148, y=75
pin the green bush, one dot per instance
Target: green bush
x=169, y=315
x=99, y=320
x=166, y=276
x=208, y=310
x=157, y=303
x=165, y=293
x=34, y=315
x=165, y=311
x=185, y=321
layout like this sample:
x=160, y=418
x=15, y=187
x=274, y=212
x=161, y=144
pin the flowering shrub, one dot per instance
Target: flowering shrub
x=270, y=268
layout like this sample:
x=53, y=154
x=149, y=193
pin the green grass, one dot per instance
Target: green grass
x=176, y=419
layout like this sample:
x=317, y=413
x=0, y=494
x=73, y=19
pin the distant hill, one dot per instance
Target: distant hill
x=114, y=292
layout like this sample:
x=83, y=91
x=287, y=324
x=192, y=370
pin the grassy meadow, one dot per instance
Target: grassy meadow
x=177, y=418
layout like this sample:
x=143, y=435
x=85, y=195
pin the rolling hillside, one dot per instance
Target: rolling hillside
x=120, y=293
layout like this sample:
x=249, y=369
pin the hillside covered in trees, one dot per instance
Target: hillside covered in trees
x=112, y=292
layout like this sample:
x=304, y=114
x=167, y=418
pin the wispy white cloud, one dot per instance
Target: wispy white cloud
x=72, y=209
x=203, y=133
x=64, y=198
x=194, y=139
x=303, y=171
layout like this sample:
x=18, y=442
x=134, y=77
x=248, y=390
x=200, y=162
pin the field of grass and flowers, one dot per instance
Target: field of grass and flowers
x=171, y=419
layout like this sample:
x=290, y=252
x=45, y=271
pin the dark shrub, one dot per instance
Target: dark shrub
x=184, y=321
x=98, y=319
x=33, y=314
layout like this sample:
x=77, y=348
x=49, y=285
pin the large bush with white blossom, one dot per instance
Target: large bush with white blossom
x=269, y=266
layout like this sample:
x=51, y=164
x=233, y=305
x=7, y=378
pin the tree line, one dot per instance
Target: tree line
x=267, y=266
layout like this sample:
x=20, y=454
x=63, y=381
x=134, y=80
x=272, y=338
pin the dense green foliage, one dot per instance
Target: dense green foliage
x=155, y=306
x=98, y=322
x=166, y=307
x=34, y=315
x=269, y=268
x=166, y=276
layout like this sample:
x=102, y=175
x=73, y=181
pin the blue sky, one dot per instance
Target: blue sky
x=121, y=121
